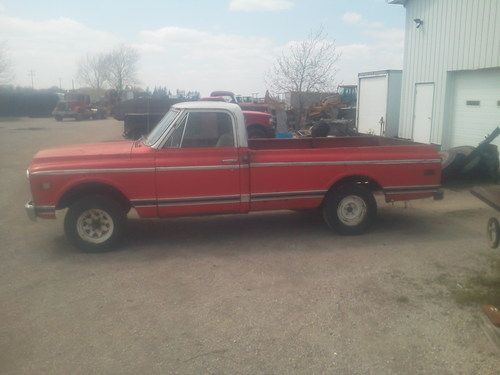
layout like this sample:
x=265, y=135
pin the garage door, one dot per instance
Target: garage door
x=476, y=107
x=372, y=103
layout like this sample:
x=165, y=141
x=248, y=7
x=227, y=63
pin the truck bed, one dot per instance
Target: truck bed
x=328, y=142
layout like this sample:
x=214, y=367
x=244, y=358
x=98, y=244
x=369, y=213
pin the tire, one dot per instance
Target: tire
x=85, y=214
x=493, y=232
x=58, y=118
x=350, y=209
x=255, y=132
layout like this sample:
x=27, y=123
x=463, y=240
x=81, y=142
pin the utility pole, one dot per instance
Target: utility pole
x=31, y=73
x=60, y=84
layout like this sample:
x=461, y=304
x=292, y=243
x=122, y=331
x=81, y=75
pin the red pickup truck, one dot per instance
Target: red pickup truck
x=198, y=161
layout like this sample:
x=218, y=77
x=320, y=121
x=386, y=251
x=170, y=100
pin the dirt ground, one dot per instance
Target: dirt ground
x=263, y=293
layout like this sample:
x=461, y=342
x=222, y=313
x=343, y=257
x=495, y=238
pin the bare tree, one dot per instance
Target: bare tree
x=93, y=71
x=122, y=67
x=5, y=64
x=306, y=66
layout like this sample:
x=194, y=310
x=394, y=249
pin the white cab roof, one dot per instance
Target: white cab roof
x=207, y=105
x=240, y=129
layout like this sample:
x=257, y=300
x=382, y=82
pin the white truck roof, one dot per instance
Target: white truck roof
x=208, y=104
x=240, y=127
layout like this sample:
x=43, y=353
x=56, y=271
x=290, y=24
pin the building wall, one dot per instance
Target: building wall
x=393, y=103
x=456, y=35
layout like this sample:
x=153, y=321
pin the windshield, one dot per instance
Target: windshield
x=160, y=128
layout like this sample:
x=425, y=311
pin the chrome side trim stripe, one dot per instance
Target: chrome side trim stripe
x=221, y=199
x=268, y=196
x=197, y=167
x=284, y=195
x=198, y=199
x=344, y=162
x=91, y=171
x=198, y=203
x=232, y=166
x=186, y=201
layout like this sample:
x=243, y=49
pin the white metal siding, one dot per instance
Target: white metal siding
x=471, y=123
x=393, y=103
x=423, y=108
x=456, y=35
x=372, y=103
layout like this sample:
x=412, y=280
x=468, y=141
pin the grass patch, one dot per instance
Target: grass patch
x=481, y=288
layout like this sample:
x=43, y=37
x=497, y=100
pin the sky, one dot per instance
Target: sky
x=193, y=44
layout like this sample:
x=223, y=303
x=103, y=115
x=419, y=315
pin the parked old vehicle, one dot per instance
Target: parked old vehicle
x=145, y=113
x=77, y=106
x=198, y=160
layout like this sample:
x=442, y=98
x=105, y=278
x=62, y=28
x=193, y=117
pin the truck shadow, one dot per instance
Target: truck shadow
x=283, y=230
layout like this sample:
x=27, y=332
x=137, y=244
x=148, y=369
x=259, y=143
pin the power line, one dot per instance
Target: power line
x=32, y=73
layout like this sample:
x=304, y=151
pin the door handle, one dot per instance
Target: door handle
x=229, y=160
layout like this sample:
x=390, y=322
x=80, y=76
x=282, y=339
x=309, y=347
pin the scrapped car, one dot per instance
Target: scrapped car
x=198, y=160
x=78, y=107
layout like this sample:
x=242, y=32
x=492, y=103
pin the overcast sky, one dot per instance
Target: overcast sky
x=194, y=44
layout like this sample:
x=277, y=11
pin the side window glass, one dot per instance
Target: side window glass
x=175, y=138
x=208, y=129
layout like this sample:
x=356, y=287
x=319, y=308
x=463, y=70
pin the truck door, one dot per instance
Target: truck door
x=197, y=169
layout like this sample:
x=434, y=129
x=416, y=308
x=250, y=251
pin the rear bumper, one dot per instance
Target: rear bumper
x=33, y=211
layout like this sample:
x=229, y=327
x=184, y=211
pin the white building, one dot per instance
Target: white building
x=451, y=73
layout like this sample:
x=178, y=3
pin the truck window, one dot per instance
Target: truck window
x=208, y=129
x=175, y=138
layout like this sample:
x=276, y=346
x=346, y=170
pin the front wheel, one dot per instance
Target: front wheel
x=350, y=209
x=94, y=223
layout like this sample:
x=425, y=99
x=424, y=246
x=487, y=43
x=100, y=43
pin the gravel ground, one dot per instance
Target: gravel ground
x=262, y=293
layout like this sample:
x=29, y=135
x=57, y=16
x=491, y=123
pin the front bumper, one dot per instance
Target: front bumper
x=33, y=211
x=30, y=210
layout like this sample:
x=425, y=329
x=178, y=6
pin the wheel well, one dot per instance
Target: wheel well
x=92, y=188
x=370, y=183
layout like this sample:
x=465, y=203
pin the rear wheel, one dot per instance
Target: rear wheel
x=350, y=209
x=58, y=118
x=94, y=223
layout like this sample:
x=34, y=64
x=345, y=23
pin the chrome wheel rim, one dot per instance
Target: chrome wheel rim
x=95, y=226
x=351, y=210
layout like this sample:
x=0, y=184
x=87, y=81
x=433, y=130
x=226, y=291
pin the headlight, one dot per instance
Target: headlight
x=28, y=174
